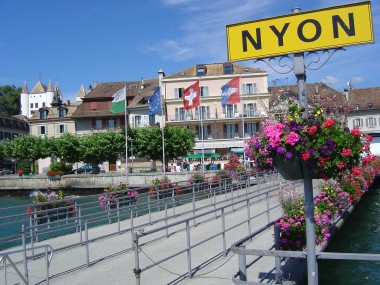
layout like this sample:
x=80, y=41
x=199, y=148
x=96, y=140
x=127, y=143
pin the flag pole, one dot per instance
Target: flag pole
x=242, y=118
x=202, y=133
x=162, y=131
x=126, y=135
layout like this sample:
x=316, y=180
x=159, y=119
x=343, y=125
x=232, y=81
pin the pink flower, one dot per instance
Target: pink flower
x=292, y=138
x=340, y=165
x=346, y=152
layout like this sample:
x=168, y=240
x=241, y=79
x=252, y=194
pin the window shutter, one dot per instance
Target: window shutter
x=176, y=93
x=374, y=121
x=176, y=114
x=361, y=122
x=366, y=122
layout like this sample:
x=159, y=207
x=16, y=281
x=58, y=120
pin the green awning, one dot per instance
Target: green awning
x=194, y=155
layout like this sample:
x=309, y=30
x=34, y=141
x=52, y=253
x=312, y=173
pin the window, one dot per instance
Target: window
x=94, y=105
x=43, y=114
x=36, y=105
x=42, y=130
x=201, y=70
x=43, y=104
x=62, y=113
x=250, y=109
x=61, y=129
x=204, y=91
x=205, y=112
x=152, y=120
x=227, y=68
x=31, y=105
x=180, y=114
x=357, y=107
x=206, y=132
x=1, y=135
x=358, y=123
x=249, y=88
x=178, y=92
x=371, y=122
x=231, y=131
x=98, y=124
x=370, y=106
x=137, y=121
x=132, y=87
x=111, y=123
x=230, y=110
x=250, y=129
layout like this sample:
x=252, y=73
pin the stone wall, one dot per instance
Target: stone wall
x=85, y=181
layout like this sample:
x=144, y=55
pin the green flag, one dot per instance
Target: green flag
x=118, y=102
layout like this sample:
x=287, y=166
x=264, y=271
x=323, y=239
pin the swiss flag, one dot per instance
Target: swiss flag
x=191, y=96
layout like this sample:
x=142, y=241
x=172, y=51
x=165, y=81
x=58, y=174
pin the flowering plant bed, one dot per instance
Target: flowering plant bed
x=115, y=194
x=332, y=202
x=161, y=188
x=320, y=144
x=43, y=212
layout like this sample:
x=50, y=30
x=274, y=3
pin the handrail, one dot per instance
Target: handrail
x=5, y=256
x=186, y=222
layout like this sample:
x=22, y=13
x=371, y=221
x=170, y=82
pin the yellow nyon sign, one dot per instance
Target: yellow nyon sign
x=315, y=30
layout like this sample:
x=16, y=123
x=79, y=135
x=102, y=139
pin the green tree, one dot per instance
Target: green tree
x=148, y=142
x=27, y=147
x=10, y=100
x=66, y=147
x=99, y=147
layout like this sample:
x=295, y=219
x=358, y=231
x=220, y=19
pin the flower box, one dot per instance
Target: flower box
x=294, y=169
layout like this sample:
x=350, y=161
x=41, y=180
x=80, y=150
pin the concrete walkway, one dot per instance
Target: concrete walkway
x=112, y=261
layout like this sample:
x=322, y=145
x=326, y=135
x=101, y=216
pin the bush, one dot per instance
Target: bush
x=61, y=166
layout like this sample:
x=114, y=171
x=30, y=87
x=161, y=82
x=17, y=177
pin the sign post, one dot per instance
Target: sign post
x=295, y=34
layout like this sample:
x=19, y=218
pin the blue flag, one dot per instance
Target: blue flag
x=155, y=102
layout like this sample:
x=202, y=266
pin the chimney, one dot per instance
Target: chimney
x=68, y=102
x=142, y=83
x=95, y=84
x=161, y=76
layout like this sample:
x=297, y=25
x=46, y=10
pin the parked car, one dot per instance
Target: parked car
x=87, y=168
x=5, y=171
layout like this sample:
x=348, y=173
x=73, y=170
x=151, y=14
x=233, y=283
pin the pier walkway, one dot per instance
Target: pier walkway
x=194, y=241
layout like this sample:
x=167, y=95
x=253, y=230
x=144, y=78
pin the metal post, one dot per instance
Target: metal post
x=86, y=240
x=188, y=249
x=277, y=258
x=312, y=276
x=26, y=275
x=268, y=213
x=193, y=202
x=224, y=232
x=242, y=265
x=136, y=270
x=249, y=217
x=47, y=264
x=166, y=217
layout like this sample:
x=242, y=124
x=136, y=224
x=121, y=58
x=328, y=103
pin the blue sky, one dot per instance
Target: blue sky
x=79, y=42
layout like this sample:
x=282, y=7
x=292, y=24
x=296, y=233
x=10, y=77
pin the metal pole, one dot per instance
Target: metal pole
x=26, y=275
x=136, y=270
x=242, y=265
x=188, y=249
x=277, y=258
x=299, y=71
x=126, y=136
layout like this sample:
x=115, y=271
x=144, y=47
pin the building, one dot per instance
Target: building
x=223, y=127
x=364, y=113
x=40, y=97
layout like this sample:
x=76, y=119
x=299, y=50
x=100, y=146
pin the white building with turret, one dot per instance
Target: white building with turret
x=40, y=96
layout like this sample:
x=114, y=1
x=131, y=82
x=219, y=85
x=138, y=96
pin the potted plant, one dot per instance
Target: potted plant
x=314, y=146
x=161, y=188
x=116, y=193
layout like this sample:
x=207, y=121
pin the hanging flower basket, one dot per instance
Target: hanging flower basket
x=315, y=145
x=294, y=169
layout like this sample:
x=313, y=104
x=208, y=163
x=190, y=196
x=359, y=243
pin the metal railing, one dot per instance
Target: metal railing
x=239, y=248
x=5, y=257
x=239, y=203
